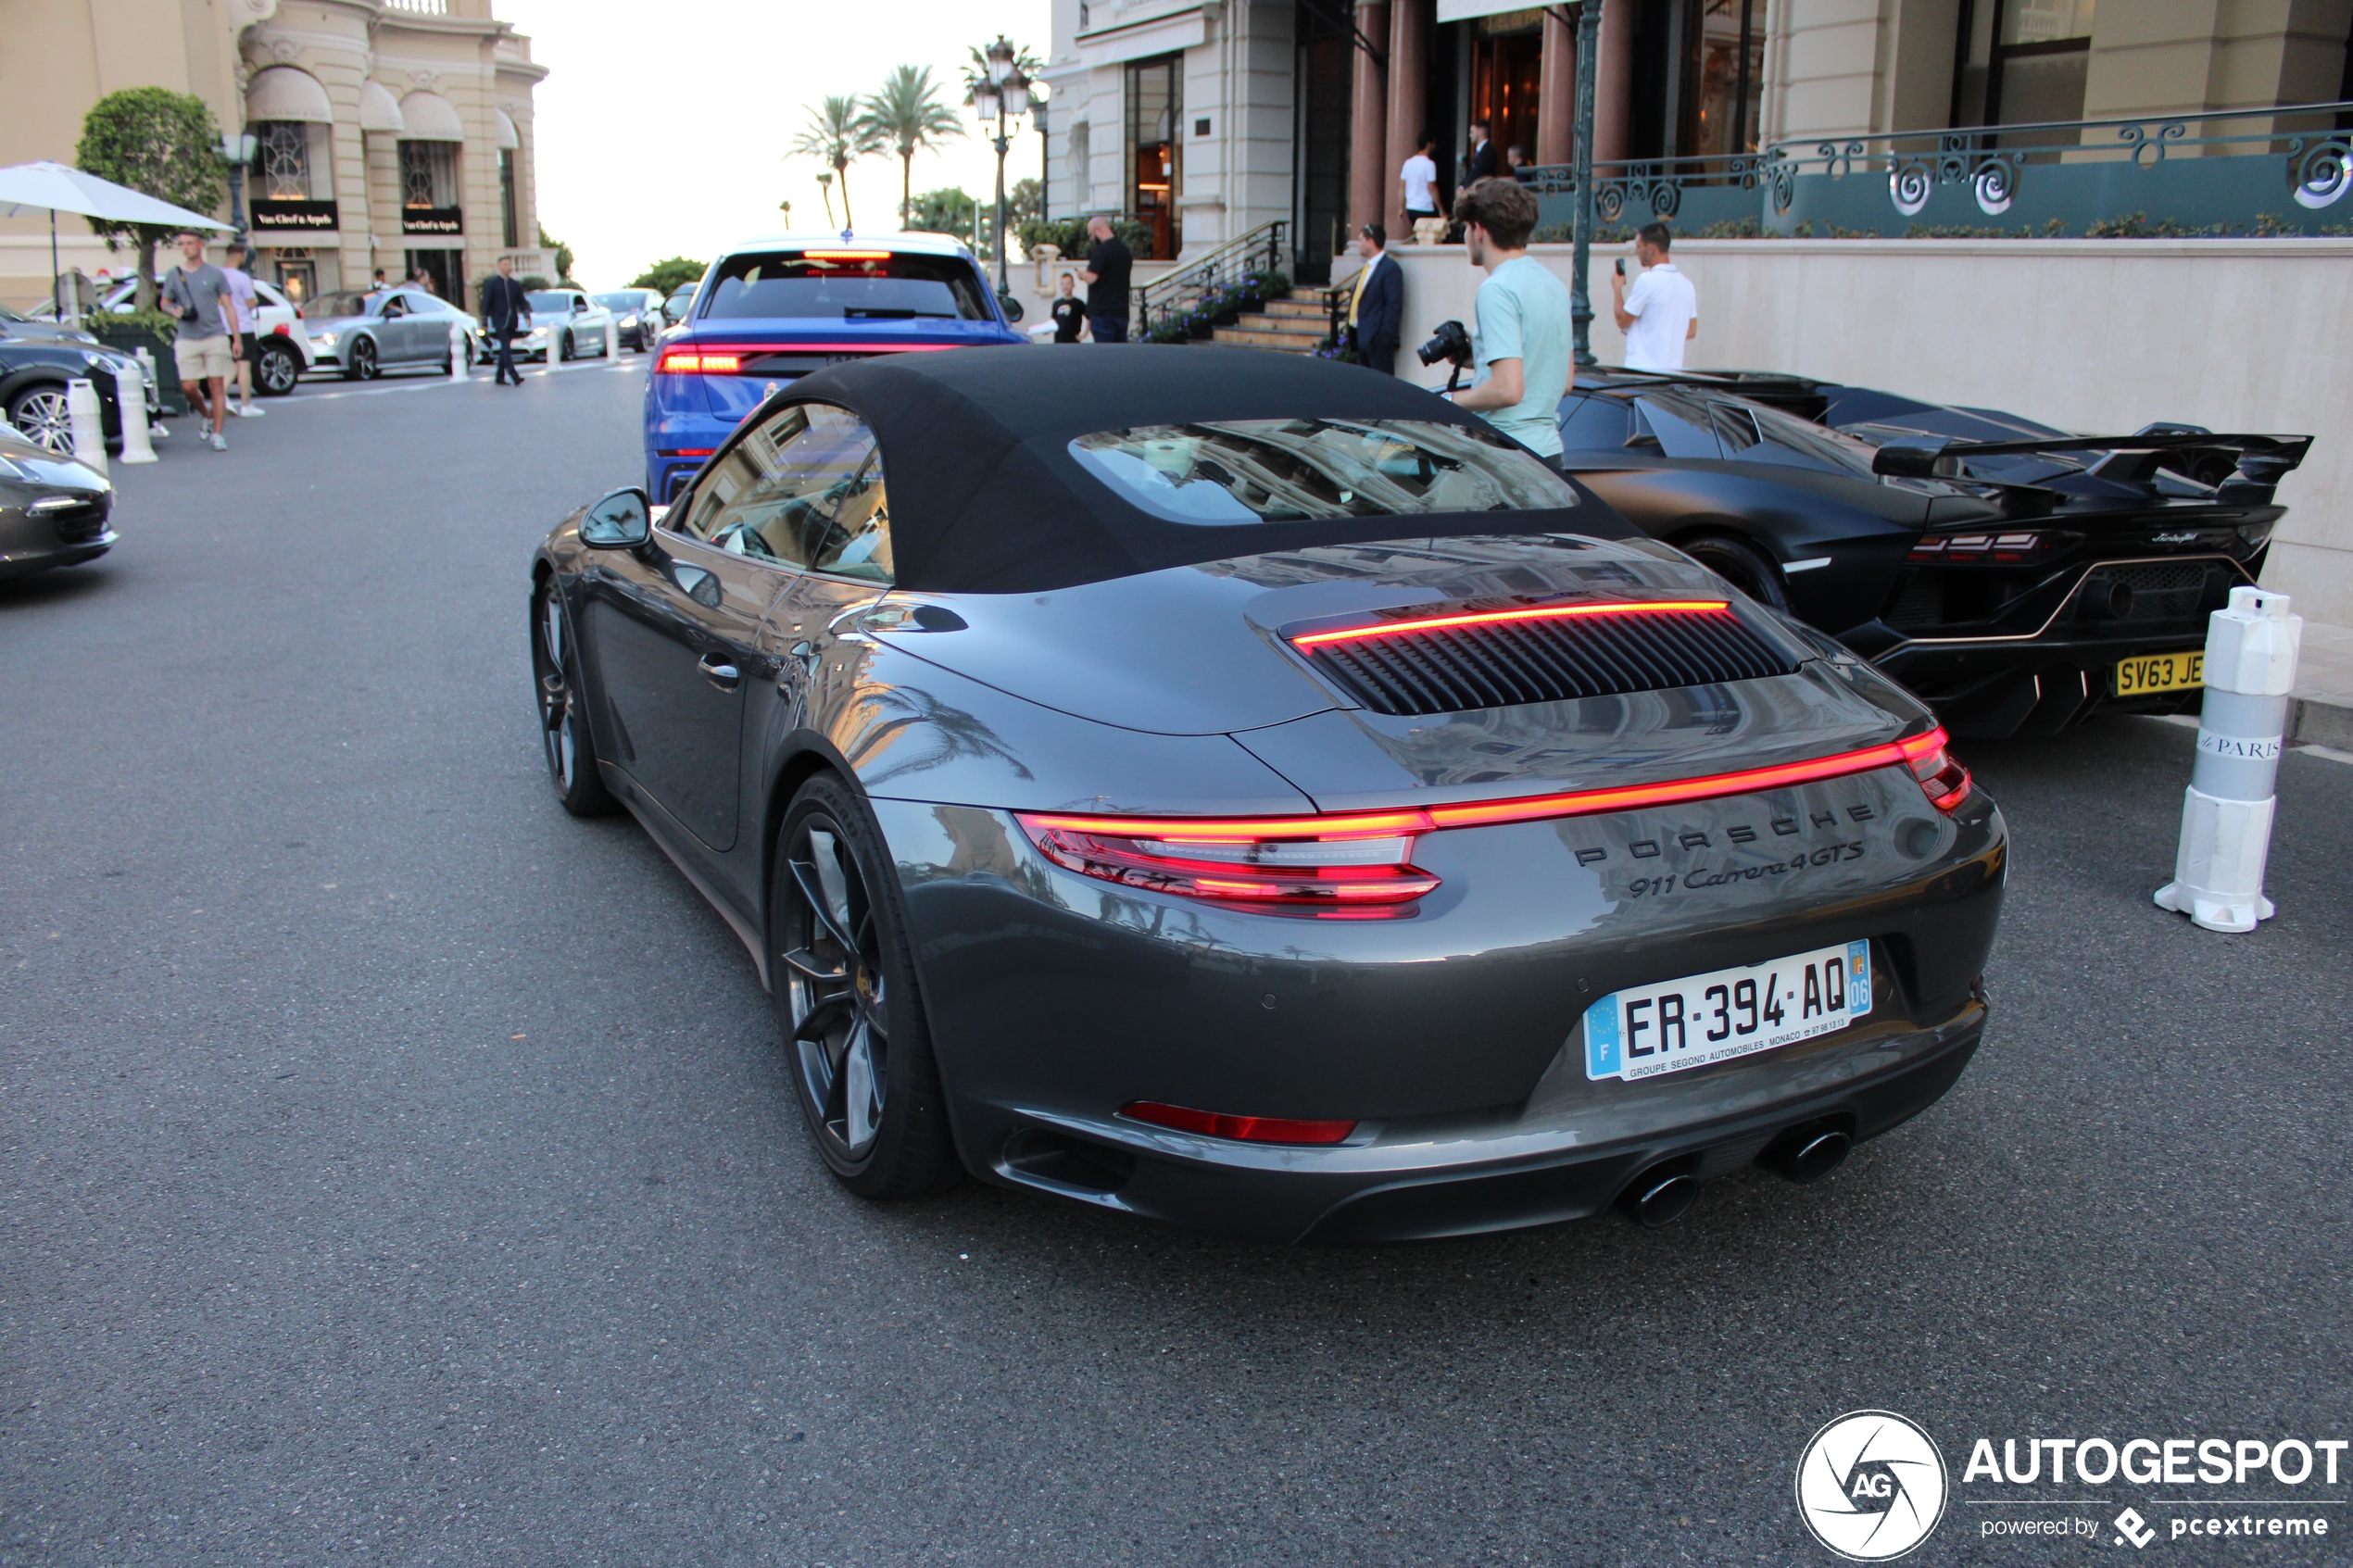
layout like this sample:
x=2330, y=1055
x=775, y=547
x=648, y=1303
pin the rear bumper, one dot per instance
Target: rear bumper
x=1990, y=689
x=1454, y=1038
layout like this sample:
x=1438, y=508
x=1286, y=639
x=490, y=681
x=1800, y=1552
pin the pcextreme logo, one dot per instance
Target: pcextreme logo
x=1871, y=1485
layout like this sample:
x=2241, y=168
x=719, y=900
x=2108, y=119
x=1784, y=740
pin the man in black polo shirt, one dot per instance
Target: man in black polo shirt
x=1107, y=267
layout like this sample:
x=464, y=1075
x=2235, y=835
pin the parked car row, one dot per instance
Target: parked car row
x=38, y=360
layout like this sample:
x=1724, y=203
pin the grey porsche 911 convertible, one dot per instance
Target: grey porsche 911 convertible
x=1254, y=794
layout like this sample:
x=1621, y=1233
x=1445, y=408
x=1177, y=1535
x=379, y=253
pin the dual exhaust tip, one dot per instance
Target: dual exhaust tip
x=1661, y=1195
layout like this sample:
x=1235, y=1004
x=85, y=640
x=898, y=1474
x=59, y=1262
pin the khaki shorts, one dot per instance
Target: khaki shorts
x=203, y=359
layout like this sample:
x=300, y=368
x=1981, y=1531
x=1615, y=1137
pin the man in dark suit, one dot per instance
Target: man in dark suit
x=1483, y=160
x=1377, y=311
x=506, y=311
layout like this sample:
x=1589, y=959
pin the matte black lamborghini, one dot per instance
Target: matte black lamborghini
x=1255, y=793
x=2014, y=576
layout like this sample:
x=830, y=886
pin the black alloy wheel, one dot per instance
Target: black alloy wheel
x=41, y=416
x=362, y=356
x=845, y=995
x=565, y=346
x=565, y=735
x=276, y=368
x=1742, y=564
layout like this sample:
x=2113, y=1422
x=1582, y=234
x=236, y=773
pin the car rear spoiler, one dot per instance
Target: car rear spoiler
x=2256, y=463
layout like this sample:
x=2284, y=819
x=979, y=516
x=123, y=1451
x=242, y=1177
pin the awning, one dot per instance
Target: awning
x=377, y=111
x=428, y=117
x=283, y=92
x=1165, y=35
x=506, y=129
x=1464, y=11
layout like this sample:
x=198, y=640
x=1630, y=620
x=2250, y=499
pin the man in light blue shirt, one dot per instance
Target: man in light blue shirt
x=1522, y=344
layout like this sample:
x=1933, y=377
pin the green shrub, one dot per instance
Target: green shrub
x=1069, y=234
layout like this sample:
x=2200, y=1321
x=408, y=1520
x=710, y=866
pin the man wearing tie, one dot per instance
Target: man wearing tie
x=1482, y=157
x=506, y=311
x=1377, y=311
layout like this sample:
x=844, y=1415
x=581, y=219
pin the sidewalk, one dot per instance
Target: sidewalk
x=2322, y=707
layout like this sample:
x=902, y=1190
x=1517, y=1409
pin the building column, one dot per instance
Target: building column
x=1556, y=90
x=1614, y=82
x=1368, y=122
x=1409, y=24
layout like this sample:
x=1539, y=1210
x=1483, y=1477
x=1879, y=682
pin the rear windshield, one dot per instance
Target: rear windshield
x=844, y=285
x=1301, y=470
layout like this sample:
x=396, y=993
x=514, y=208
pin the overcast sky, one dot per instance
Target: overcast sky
x=662, y=130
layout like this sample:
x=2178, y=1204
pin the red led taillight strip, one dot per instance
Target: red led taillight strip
x=1524, y=809
x=727, y=358
x=1497, y=617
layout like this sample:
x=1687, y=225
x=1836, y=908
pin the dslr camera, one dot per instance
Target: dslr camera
x=1452, y=344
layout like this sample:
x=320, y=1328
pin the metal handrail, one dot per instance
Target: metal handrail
x=1156, y=301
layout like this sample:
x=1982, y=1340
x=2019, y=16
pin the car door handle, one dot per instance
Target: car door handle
x=720, y=674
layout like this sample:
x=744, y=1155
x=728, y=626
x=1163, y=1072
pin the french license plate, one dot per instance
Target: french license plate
x=2158, y=672
x=1680, y=1024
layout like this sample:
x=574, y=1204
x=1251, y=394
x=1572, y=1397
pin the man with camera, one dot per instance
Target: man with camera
x=197, y=293
x=1521, y=347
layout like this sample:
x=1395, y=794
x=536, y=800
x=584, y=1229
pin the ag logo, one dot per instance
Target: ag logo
x=1871, y=1485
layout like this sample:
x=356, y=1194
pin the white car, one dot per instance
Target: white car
x=282, y=346
x=565, y=324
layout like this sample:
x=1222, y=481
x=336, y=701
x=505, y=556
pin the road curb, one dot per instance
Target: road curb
x=2321, y=720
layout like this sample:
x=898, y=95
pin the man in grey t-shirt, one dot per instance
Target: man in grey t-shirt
x=206, y=344
x=1522, y=345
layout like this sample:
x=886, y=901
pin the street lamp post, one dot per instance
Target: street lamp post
x=1580, y=302
x=1001, y=94
x=236, y=151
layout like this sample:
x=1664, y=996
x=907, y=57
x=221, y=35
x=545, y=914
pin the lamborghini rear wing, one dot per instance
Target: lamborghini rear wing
x=2241, y=468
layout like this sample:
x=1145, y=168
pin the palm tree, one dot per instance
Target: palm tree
x=908, y=118
x=837, y=136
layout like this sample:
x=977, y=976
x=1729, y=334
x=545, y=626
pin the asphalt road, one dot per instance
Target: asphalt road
x=393, y=1169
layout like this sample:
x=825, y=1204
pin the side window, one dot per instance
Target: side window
x=396, y=307
x=1680, y=425
x=803, y=489
x=1593, y=424
x=1736, y=428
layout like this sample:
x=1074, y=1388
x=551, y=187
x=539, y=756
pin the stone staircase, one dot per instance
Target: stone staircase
x=1293, y=324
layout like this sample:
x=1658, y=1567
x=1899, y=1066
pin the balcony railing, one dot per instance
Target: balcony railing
x=2281, y=170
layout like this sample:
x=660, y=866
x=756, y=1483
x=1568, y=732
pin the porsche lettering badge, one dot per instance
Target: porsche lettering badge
x=1737, y=835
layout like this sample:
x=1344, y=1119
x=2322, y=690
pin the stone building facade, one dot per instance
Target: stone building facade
x=1204, y=119
x=392, y=134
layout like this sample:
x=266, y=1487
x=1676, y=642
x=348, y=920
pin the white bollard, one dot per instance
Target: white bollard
x=456, y=352
x=131, y=400
x=612, y=338
x=88, y=423
x=147, y=358
x=2226, y=813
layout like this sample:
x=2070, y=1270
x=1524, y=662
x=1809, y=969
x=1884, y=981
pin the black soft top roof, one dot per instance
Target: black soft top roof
x=985, y=496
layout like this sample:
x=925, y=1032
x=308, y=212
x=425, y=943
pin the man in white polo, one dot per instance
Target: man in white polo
x=1660, y=313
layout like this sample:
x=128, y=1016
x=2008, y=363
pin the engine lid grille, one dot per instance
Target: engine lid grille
x=1501, y=657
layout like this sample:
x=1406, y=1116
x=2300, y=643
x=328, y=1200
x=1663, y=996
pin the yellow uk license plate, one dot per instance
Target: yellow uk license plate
x=2158, y=672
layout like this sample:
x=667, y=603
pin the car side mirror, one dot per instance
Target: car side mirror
x=622, y=521
x=1009, y=306
x=1910, y=457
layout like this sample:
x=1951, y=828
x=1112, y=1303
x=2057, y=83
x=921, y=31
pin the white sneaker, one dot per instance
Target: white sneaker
x=220, y=442
x=236, y=411
x=253, y=410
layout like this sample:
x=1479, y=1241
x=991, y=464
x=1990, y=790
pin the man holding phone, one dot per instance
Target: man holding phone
x=197, y=293
x=1660, y=313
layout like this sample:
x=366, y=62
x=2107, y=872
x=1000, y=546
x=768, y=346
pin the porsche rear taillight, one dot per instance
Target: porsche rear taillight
x=1332, y=866
x=1941, y=777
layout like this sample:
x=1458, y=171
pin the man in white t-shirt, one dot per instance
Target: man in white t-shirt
x=1420, y=175
x=1660, y=313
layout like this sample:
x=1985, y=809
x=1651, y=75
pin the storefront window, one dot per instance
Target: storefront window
x=2021, y=62
x=283, y=161
x=1731, y=78
x=1155, y=161
x=429, y=174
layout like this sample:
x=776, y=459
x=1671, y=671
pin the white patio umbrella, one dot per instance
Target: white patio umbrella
x=57, y=187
